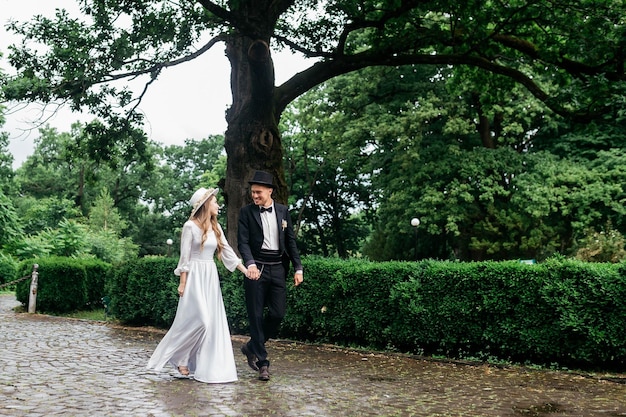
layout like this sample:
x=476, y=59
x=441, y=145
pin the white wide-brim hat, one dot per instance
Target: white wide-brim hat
x=200, y=197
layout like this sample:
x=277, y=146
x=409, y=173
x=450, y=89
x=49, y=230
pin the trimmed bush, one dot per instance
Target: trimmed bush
x=472, y=309
x=144, y=292
x=569, y=313
x=61, y=284
x=97, y=272
x=64, y=284
x=589, y=304
x=562, y=312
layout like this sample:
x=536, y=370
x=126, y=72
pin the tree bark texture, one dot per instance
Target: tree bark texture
x=252, y=139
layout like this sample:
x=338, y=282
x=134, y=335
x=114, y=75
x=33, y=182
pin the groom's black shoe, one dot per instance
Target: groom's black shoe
x=264, y=373
x=250, y=357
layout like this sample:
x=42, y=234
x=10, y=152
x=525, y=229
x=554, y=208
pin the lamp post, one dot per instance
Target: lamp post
x=415, y=222
x=169, y=246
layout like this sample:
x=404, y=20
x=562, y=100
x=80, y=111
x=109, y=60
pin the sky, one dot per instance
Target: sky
x=186, y=102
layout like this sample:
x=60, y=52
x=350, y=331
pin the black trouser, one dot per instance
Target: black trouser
x=268, y=291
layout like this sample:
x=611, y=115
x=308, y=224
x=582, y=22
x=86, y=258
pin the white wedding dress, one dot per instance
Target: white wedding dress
x=199, y=337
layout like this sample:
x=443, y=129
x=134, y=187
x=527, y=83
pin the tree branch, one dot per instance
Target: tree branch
x=279, y=7
x=156, y=68
x=323, y=71
x=358, y=24
x=306, y=52
x=572, y=67
x=218, y=11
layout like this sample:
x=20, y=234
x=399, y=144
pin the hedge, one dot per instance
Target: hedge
x=563, y=312
x=63, y=284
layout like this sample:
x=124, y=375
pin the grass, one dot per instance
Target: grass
x=97, y=314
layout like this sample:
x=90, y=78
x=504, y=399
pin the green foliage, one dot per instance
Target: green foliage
x=105, y=227
x=143, y=291
x=97, y=276
x=73, y=239
x=75, y=167
x=309, y=303
x=29, y=247
x=58, y=288
x=128, y=207
x=511, y=39
x=345, y=302
x=567, y=59
x=234, y=299
x=608, y=245
x=323, y=172
x=179, y=172
x=182, y=170
x=62, y=284
x=56, y=229
x=151, y=233
x=8, y=268
x=588, y=301
x=49, y=171
x=40, y=213
x=83, y=50
x=10, y=224
x=7, y=186
x=465, y=309
x=563, y=312
x=69, y=239
x=108, y=247
x=104, y=216
x=424, y=108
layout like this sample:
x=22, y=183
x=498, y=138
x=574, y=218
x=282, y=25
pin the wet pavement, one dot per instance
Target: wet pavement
x=51, y=366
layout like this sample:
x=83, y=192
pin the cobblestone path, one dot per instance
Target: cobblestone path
x=52, y=366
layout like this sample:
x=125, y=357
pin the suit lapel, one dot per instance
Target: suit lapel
x=280, y=215
x=256, y=213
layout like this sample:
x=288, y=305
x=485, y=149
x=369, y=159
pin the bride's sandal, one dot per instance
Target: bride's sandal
x=183, y=370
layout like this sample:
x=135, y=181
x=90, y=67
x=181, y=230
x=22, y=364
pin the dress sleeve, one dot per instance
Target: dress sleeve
x=229, y=257
x=185, y=249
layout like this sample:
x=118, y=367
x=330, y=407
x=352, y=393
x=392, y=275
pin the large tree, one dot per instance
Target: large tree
x=579, y=43
x=425, y=145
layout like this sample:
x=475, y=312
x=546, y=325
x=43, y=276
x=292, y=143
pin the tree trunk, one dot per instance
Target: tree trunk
x=483, y=126
x=252, y=139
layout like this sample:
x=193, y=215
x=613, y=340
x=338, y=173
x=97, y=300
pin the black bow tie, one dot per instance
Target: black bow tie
x=268, y=209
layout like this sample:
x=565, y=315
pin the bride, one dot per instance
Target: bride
x=198, y=343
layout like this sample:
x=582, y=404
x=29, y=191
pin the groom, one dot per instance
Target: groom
x=267, y=243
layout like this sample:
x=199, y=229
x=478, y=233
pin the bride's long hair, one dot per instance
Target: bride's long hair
x=208, y=223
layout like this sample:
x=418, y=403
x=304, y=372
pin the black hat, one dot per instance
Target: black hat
x=262, y=178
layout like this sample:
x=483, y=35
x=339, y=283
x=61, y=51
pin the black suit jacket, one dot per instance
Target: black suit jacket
x=250, y=235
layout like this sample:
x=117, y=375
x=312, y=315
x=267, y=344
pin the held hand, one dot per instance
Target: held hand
x=298, y=277
x=253, y=272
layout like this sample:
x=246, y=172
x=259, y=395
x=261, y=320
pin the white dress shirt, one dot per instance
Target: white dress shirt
x=270, y=229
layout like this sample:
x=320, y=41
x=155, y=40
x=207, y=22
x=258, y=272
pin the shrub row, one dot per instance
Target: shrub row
x=144, y=292
x=64, y=284
x=562, y=312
